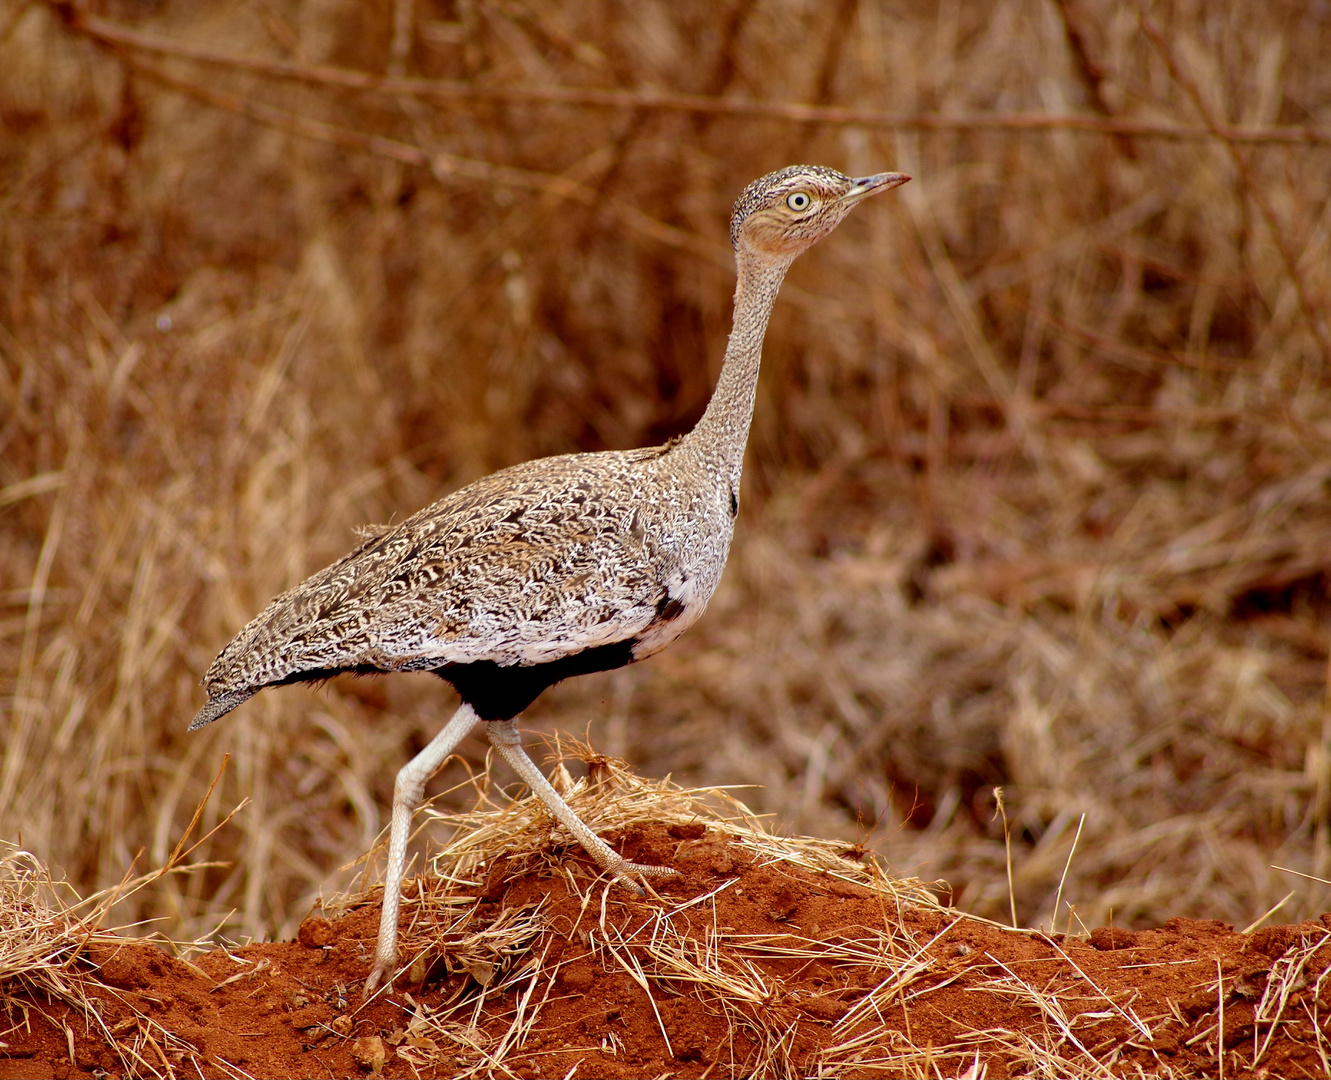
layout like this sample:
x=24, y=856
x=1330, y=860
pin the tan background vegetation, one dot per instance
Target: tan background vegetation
x=1037, y=493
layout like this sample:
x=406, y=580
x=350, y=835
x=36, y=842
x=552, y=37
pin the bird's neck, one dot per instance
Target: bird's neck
x=721, y=434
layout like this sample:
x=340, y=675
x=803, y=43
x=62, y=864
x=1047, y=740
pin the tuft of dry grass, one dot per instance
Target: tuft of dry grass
x=39, y=936
x=1037, y=494
x=54, y=947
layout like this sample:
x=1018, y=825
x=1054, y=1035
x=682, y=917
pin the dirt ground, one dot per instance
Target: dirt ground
x=948, y=993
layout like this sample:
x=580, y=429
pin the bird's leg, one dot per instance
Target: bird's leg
x=407, y=794
x=505, y=738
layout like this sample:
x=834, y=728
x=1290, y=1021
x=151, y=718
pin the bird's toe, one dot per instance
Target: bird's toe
x=377, y=976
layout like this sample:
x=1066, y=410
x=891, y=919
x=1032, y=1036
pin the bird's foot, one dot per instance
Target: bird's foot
x=382, y=973
x=621, y=870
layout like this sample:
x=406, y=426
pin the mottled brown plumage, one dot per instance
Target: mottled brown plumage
x=548, y=569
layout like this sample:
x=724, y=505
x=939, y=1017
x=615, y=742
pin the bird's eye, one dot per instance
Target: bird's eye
x=798, y=201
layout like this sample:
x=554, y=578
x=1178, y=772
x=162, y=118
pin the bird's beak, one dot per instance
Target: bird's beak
x=867, y=185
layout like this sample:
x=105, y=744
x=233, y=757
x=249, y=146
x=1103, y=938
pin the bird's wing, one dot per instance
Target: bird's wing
x=528, y=565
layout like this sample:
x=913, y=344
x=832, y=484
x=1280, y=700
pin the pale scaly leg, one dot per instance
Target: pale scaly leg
x=504, y=735
x=407, y=795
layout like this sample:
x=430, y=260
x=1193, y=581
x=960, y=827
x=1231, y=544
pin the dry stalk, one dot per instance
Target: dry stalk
x=1287, y=975
x=1050, y=1007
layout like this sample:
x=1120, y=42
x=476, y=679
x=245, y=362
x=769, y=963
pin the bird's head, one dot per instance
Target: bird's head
x=787, y=211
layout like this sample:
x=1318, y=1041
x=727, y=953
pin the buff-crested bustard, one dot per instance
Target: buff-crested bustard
x=552, y=568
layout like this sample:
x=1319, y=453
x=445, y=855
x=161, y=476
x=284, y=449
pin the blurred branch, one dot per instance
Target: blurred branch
x=1250, y=183
x=114, y=36
x=1141, y=359
x=445, y=166
x=1152, y=416
x=33, y=485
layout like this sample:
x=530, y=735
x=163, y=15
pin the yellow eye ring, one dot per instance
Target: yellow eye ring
x=799, y=201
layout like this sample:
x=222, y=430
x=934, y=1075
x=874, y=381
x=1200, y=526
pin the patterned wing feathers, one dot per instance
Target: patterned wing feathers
x=527, y=565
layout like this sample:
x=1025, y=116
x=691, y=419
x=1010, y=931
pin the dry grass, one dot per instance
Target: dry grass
x=55, y=946
x=1037, y=493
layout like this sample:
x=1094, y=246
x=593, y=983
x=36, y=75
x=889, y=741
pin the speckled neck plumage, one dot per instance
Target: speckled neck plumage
x=719, y=438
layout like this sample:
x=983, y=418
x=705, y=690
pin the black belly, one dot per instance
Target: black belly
x=497, y=692
x=500, y=693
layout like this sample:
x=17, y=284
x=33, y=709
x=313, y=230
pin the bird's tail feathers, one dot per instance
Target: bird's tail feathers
x=219, y=706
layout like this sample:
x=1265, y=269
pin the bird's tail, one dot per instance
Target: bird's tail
x=220, y=705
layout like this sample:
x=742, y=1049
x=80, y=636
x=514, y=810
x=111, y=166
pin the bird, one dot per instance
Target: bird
x=548, y=569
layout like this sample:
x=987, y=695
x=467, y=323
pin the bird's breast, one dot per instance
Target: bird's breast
x=681, y=605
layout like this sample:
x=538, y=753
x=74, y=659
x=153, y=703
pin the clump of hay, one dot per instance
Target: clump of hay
x=56, y=947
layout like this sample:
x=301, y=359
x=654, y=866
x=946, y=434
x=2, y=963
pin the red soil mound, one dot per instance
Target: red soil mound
x=744, y=965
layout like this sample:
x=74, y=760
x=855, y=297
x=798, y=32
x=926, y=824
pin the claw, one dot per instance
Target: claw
x=376, y=976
